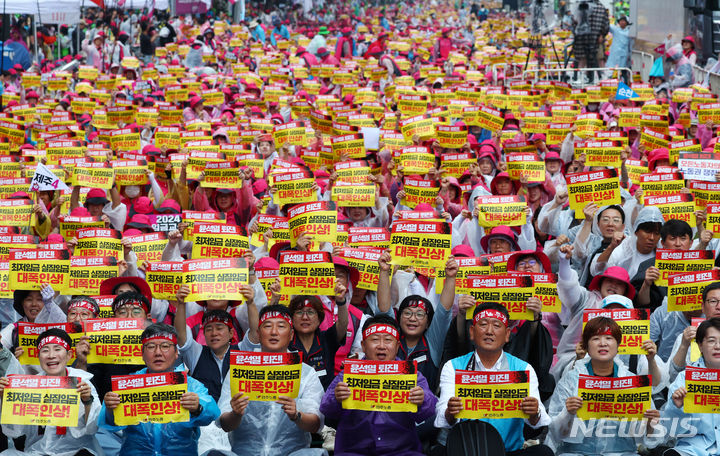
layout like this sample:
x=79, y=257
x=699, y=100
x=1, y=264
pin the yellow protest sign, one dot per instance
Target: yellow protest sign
x=512, y=291
x=307, y=273
x=416, y=160
x=93, y=175
x=350, y=146
x=293, y=187
x=712, y=223
x=674, y=207
x=703, y=390
x=347, y=194
x=501, y=210
x=601, y=153
x=115, y=340
x=634, y=323
x=636, y=169
x=422, y=126
x=685, y=289
x=149, y=246
x=317, y=219
x=365, y=261
x=487, y=395
x=265, y=376
x=191, y=217
x=380, y=386
x=623, y=398
x=670, y=261
x=279, y=226
x=99, y=242
x=217, y=240
x=15, y=212
x=359, y=236
x=451, y=137
x=130, y=172
x=29, y=332
x=525, y=165
x=652, y=139
x=290, y=133
x=353, y=171
x=39, y=400
x=662, y=183
x=420, y=191
x=709, y=112
x=87, y=273
x=164, y=278
x=224, y=174
x=69, y=225
x=29, y=269
x=153, y=398
x=420, y=243
x=468, y=267
x=601, y=187
x=545, y=285
x=705, y=193
x=215, y=278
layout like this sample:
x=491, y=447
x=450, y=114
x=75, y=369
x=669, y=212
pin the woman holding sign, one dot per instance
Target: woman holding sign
x=378, y=432
x=700, y=425
x=54, y=353
x=601, y=338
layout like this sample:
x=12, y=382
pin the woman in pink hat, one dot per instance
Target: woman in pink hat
x=575, y=299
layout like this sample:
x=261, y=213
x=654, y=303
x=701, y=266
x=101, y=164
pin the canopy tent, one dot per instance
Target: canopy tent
x=138, y=4
x=46, y=11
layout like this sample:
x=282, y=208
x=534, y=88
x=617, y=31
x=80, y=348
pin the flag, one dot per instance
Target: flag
x=624, y=92
x=44, y=180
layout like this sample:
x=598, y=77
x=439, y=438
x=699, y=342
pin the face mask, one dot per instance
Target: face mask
x=132, y=191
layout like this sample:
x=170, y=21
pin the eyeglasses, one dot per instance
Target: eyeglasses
x=164, y=347
x=127, y=311
x=526, y=263
x=611, y=219
x=711, y=342
x=420, y=314
x=306, y=313
x=713, y=302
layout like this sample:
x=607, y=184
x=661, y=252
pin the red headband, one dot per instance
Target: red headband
x=386, y=329
x=307, y=303
x=491, y=313
x=218, y=319
x=161, y=336
x=274, y=314
x=419, y=304
x=83, y=304
x=605, y=332
x=53, y=340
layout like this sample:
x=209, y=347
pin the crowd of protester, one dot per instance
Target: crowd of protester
x=347, y=65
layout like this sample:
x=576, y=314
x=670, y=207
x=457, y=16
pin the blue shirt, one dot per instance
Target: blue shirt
x=167, y=439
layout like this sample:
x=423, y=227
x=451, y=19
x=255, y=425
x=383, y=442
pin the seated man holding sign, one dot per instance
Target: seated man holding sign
x=688, y=391
x=277, y=426
x=490, y=333
x=601, y=338
x=378, y=432
x=160, y=351
x=76, y=439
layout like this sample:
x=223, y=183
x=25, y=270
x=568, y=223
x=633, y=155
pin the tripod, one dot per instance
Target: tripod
x=535, y=43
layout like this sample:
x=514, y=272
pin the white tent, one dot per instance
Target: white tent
x=138, y=4
x=46, y=11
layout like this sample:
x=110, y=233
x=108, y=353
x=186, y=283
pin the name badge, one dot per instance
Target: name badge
x=321, y=373
x=420, y=359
